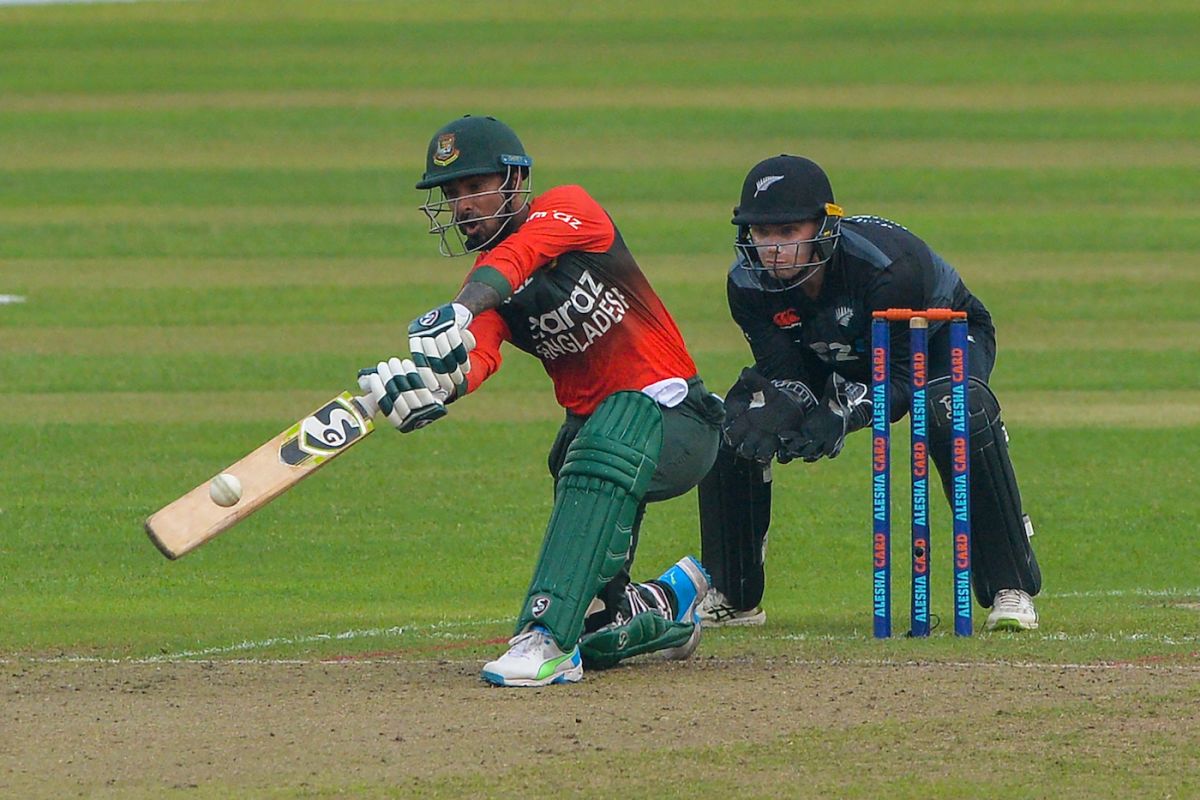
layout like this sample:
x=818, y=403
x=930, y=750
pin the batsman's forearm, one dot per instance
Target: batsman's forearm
x=478, y=297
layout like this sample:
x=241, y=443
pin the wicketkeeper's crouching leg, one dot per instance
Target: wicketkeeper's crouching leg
x=1004, y=569
x=735, y=514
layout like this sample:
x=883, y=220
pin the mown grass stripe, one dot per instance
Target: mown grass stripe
x=649, y=235
x=704, y=332
x=340, y=53
x=149, y=188
x=709, y=213
x=1041, y=409
x=983, y=96
x=993, y=269
x=735, y=152
x=701, y=301
x=870, y=18
x=383, y=127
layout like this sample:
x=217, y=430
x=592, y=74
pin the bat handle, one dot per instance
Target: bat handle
x=366, y=406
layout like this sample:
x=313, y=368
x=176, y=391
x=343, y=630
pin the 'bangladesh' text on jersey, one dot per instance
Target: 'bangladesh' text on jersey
x=575, y=297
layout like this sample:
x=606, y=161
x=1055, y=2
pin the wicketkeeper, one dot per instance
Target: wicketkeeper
x=803, y=286
x=553, y=277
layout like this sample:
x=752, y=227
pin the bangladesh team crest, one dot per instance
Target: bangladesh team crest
x=446, y=152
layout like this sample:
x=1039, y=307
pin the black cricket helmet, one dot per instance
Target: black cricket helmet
x=781, y=190
x=463, y=148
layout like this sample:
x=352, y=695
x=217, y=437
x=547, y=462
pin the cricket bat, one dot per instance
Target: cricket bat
x=266, y=473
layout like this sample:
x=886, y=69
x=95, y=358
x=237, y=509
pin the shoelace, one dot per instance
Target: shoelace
x=525, y=642
x=1009, y=601
x=714, y=601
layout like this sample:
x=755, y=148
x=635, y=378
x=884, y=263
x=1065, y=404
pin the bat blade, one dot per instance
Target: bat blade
x=272, y=469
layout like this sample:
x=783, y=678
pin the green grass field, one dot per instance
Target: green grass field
x=206, y=210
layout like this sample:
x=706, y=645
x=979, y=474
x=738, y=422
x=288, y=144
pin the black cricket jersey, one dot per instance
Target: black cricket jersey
x=878, y=264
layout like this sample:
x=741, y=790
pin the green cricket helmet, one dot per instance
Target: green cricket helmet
x=466, y=147
x=472, y=146
x=781, y=190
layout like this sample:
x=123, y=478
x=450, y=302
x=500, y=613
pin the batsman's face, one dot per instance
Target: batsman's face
x=478, y=205
x=785, y=248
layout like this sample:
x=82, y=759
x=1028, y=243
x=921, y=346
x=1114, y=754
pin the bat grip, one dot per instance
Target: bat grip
x=366, y=406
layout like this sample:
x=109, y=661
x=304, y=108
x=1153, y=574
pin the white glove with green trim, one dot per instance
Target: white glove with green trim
x=401, y=394
x=441, y=346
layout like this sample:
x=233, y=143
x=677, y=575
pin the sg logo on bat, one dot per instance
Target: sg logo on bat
x=324, y=433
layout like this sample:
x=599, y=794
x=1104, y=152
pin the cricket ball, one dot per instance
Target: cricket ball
x=225, y=489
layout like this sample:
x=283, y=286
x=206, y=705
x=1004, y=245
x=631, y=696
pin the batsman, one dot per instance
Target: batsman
x=803, y=286
x=553, y=277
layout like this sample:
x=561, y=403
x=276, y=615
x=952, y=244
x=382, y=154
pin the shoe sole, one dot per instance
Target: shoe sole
x=573, y=675
x=733, y=622
x=684, y=650
x=1011, y=624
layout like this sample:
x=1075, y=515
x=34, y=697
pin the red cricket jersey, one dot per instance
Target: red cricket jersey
x=578, y=301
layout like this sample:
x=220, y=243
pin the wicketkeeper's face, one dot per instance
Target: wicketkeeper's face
x=785, y=248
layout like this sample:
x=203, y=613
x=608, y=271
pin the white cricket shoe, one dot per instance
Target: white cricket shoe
x=534, y=659
x=715, y=611
x=1012, y=610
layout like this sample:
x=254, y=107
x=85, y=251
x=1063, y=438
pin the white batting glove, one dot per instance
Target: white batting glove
x=441, y=346
x=401, y=394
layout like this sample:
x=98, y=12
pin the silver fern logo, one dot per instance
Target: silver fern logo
x=762, y=184
x=843, y=315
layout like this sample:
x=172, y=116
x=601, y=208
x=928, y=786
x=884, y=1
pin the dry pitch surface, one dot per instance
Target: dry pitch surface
x=402, y=728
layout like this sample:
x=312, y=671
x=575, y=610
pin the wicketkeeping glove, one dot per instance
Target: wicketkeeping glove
x=441, y=346
x=847, y=408
x=401, y=394
x=740, y=395
x=758, y=410
x=822, y=434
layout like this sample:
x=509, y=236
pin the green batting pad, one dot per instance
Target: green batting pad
x=647, y=632
x=600, y=486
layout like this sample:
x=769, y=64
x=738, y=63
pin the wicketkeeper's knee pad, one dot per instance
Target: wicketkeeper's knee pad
x=603, y=479
x=1001, y=554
